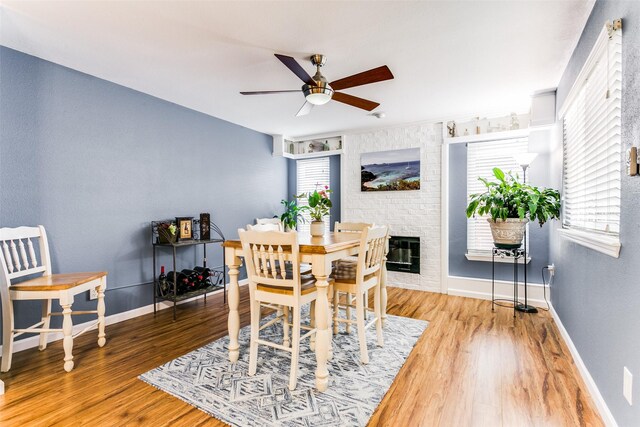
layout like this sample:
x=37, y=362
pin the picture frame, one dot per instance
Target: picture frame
x=393, y=170
x=185, y=228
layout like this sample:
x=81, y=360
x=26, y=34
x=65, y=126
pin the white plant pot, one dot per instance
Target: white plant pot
x=508, y=234
x=317, y=228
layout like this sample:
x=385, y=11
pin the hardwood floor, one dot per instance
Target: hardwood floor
x=471, y=367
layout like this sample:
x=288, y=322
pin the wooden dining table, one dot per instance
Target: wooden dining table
x=320, y=252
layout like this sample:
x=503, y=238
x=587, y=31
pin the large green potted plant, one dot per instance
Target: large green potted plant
x=292, y=214
x=511, y=204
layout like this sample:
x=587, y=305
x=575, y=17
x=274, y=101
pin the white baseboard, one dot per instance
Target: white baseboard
x=601, y=405
x=481, y=289
x=34, y=341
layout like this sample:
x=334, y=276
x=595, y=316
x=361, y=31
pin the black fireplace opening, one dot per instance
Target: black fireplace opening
x=404, y=254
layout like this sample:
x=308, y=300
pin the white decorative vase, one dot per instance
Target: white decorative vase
x=508, y=233
x=317, y=228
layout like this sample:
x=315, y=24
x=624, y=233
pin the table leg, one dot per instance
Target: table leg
x=323, y=333
x=1, y=387
x=383, y=285
x=233, y=262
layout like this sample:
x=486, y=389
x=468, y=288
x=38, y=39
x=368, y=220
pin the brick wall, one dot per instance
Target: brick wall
x=407, y=213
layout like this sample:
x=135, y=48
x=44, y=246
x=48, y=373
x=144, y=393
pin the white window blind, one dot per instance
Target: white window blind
x=592, y=146
x=313, y=174
x=482, y=157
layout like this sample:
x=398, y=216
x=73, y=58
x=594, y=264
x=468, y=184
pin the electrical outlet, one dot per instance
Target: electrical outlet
x=627, y=385
x=93, y=294
x=552, y=269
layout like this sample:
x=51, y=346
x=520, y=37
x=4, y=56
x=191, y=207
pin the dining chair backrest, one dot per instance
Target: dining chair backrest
x=372, y=250
x=357, y=227
x=24, y=251
x=268, y=220
x=272, y=258
x=265, y=227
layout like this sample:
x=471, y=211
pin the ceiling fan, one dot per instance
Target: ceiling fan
x=317, y=91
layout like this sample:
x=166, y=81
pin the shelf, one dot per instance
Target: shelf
x=188, y=295
x=489, y=136
x=312, y=155
x=158, y=229
x=189, y=242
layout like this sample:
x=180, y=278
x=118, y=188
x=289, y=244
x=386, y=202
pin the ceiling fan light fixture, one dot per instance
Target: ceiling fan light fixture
x=318, y=95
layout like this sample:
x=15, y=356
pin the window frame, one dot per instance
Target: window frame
x=304, y=227
x=603, y=241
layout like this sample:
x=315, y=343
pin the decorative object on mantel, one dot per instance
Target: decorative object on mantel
x=451, y=129
x=206, y=379
x=205, y=226
x=395, y=170
x=185, y=227
x=484, y=125
x=167, y=232
x=291, y=214
x=511, y=205
x=319, y=206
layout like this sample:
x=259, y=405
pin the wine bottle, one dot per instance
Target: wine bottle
x=192, y=276
x=163, y=285
x=182, y=284
x=206, y=274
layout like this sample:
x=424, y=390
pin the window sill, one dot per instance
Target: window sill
x=488, y=258
x=607, y=245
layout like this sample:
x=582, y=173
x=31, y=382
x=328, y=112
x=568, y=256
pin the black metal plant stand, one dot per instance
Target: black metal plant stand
x=515, y=254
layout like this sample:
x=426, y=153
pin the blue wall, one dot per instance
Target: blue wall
x=458, y=263
x=94, y=162
x=596, y=296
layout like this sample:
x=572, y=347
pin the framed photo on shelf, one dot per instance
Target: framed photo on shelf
x=185, y=228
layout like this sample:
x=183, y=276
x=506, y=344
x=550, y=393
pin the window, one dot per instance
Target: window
x=313, y=174
x=592, y=146
x=482, y=157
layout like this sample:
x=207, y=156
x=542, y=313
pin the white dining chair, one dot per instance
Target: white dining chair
x=366, y=276
x=266, y=227
x=25, y=252
x=275, y=220
x=272, y=259
x=348, y=263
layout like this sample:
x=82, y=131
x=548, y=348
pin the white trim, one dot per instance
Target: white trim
x=489, y=258
x=608, y=245
x=34, y=341
x=601, y=404
x=444, y=212
x=312, y=155
x=481, y=289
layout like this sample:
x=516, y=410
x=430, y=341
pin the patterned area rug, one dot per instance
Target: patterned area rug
x=206, y=379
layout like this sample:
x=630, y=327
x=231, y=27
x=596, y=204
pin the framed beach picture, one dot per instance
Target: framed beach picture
x=396, y=170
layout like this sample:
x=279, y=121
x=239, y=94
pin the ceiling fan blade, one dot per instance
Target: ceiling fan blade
x=297, y=69
x=354, y=101
x=267, y=92
x=366, y=77
x=306, y=109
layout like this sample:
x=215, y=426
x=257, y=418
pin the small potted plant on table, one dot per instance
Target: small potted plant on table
x=319, y=207
x=511, y=205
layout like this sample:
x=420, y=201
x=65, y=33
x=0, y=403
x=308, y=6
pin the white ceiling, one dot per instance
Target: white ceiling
x=451, y=59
